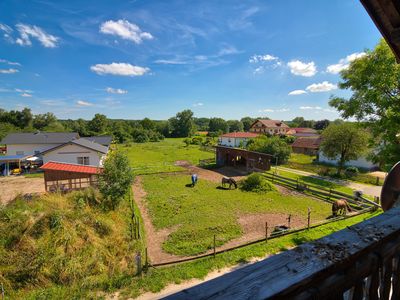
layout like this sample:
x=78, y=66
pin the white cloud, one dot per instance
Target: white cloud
x=28, y=31
x=324, y=86
x=228, y=50
x=198, y=104
x=300, y=68
x=116, y=91
x=274, y=110
x=52, y=102
x=23, y=91
x=26, y=95
x=8, y=71
x=7, y=30
x=11, y=63
x=344, y=63
x=297, y=92
x=259, y=70
x=125, y=30
x=262, y=58
x=121, y=69
x=310, y=107
x=83, y=103
x=170, y=62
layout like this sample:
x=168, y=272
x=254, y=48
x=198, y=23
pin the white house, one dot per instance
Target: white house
x=80, y=151
x=34, y=143
x=273, y=127
x=236, y=139
x=361, y=162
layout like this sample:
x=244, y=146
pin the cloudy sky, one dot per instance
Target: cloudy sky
x=132, y=59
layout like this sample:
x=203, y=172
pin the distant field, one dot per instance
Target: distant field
x=160, y=156
x=200, y=212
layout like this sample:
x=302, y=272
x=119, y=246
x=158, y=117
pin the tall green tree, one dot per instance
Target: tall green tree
x=218, y=125
x=271, y=145
x=182, y=125
x=247, y=122
x=116, y=179
x=344, y=142
x=99, y=124
x=235, y=125
x=374, y=80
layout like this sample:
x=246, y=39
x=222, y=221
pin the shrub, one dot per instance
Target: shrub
x=197, y=140
x=256, y=183
x=88, y=196
x=351, y=171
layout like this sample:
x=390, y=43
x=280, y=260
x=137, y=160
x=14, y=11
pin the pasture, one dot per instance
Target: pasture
x=194, y=215
x=161, y=156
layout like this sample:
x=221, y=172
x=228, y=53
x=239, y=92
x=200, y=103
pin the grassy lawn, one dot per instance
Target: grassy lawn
x=34, y=175
x=160, y=156
x=205, y=210
x=304, y=162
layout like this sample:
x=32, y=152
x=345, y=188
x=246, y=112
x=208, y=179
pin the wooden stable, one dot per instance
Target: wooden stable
x=68, y=177
x=227, y=156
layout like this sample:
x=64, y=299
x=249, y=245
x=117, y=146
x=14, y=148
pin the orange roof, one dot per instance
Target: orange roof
x=58, y=166
x=240, y=135
x=305, y=129
x=271, y=123
x=304, y=142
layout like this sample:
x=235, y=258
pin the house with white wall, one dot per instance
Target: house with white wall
x=236, y=139
x=361, y=162
x=79, y=151
x=25, y=143
x=272, y=127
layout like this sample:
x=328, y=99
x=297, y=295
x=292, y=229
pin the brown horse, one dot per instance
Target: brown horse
x=340, y=207
x=228, y=180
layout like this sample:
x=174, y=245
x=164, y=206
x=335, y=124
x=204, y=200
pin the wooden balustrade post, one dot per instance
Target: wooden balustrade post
x=214, y=246
x=289, y=219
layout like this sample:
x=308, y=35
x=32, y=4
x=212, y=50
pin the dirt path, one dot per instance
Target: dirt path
x=154, y=238
x=11, y=186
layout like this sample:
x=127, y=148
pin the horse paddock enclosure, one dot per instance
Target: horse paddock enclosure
x=181, y=221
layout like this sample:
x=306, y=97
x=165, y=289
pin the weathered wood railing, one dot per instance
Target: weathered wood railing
x=360, y=262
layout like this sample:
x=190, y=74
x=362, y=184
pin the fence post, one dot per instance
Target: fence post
x=266, y=232
x=308, y=218
x=330, y=193
x=139, y=263
x=289, y=219
x=297, y=183
x=2, y=291
x=214, y=245
x=147, y=260
x=377, y=180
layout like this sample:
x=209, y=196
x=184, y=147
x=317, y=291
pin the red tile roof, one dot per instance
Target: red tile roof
x=58, y=166
x=271, y=123
x=310, y=143
x=304, y=129
x=240, y=135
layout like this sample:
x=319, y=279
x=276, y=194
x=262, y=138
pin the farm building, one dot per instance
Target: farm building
x=80, y=151
x=273, y=127
x=227, y=156
x=236, y=139
x=302, y=132
x=66, y=177
x=35, y=143
x=361, y=162
x=306, y=145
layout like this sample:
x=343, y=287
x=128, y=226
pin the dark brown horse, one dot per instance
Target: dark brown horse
x=340, y=207
x=228, y=180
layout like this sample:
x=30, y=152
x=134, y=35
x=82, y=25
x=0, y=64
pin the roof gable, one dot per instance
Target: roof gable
x=75, y=168
x=39, y=138
x=271, y=123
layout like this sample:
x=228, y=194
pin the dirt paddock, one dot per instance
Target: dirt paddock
x=11, y=186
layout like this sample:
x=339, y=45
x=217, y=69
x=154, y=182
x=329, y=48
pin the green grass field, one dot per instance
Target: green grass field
x=160, y=156
x=304, y=162
x=205, y=210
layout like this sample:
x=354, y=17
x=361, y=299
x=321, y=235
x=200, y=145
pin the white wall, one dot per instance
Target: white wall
x=70, y=153
x=232, y=142
x=28, y=149
x=362, y=162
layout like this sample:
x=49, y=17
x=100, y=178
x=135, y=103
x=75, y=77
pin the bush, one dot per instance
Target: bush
x=256, y=183
x=197, y=140
x=351, y=171
x=88, y=196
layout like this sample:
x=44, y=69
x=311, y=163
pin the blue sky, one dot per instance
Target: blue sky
x=136, y=59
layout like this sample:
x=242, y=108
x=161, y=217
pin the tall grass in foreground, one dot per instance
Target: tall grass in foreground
x=58, y=241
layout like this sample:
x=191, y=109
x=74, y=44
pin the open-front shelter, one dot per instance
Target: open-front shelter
x=227, y=156
x=66, y=177
x=7, y=160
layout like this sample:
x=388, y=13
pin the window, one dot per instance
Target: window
x=19, y=153
x=83, y=160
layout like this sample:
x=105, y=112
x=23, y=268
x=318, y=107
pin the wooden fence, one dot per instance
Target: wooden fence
x=325, y=194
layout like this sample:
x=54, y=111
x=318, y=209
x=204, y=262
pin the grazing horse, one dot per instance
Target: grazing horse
x=340, y=207
x=230, y=181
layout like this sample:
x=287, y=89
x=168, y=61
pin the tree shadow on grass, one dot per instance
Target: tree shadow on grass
x=222, y=188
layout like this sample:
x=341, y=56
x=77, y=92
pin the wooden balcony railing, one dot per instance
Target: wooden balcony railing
x=360, y=262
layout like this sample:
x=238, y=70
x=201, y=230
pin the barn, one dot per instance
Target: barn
x=252, y=161
x=307, y=145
